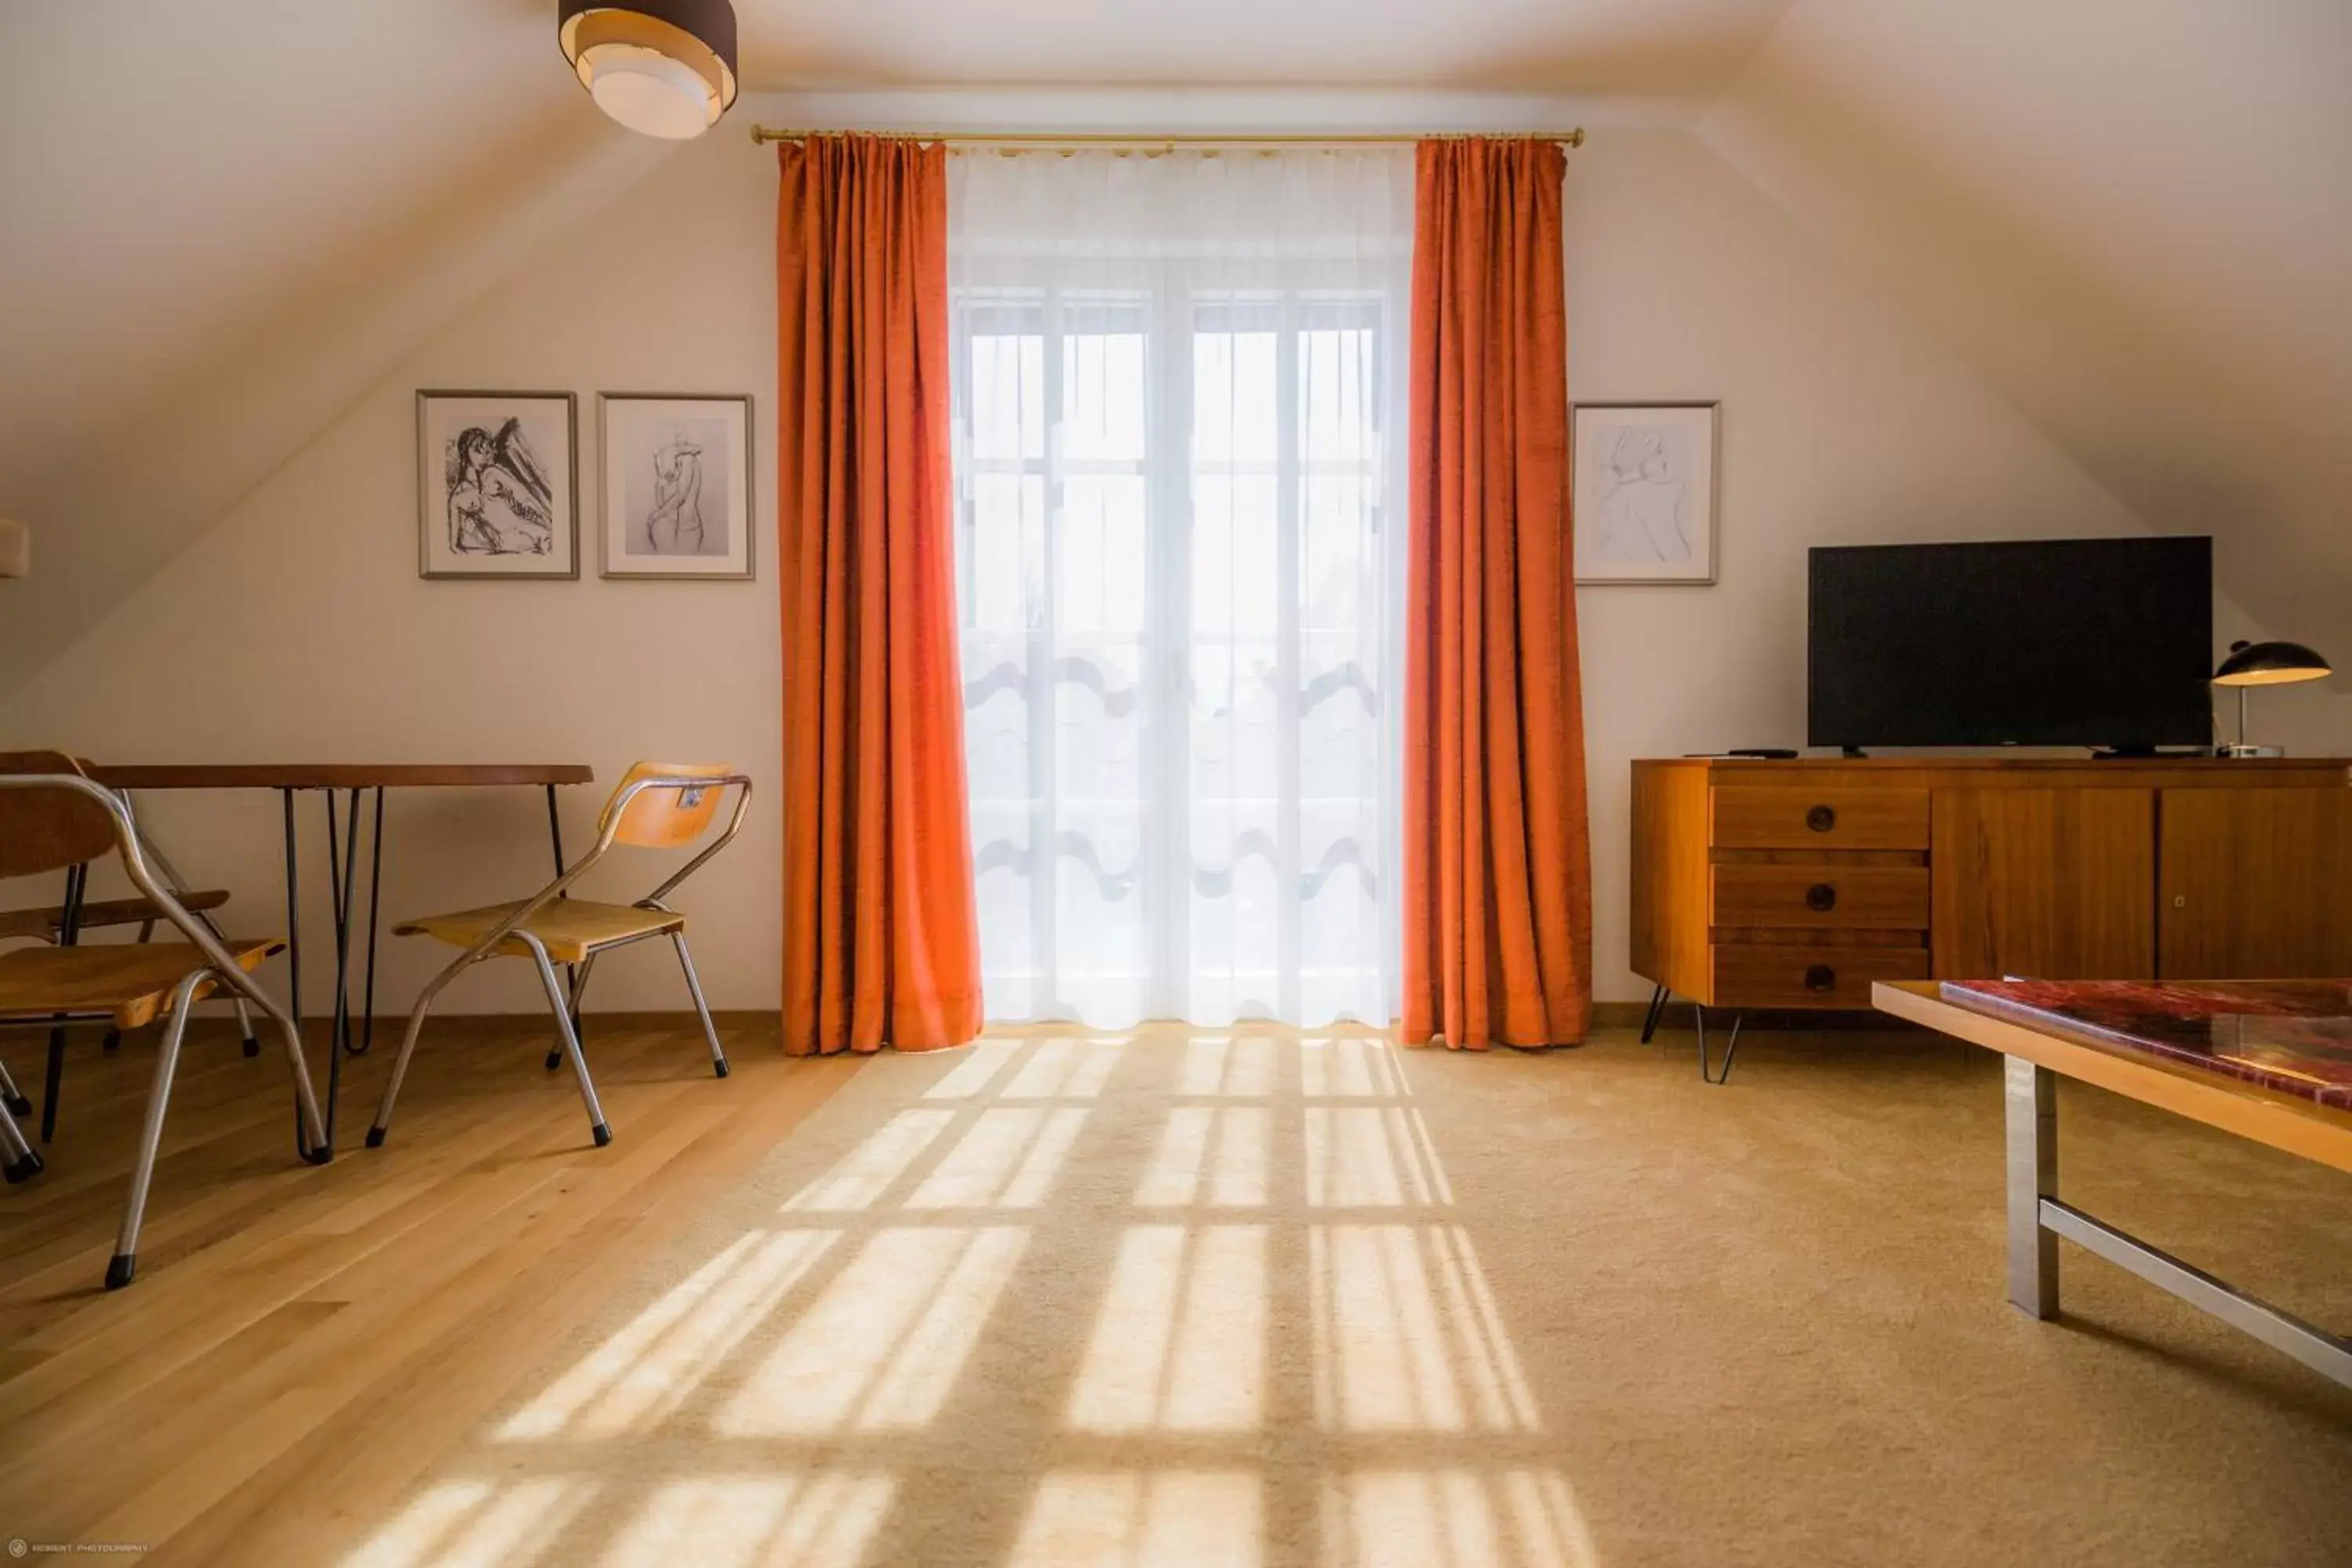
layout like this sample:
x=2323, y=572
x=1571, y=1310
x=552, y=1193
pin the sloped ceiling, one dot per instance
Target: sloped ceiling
x=2133, y=216
x=1672, y=52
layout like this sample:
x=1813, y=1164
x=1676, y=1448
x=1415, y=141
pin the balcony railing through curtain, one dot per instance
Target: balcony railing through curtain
x=1180, y=424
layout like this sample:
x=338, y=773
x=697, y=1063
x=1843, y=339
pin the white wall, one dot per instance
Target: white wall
x=295, y=629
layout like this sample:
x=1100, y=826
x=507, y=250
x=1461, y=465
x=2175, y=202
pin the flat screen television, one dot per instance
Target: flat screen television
x=2049, y=642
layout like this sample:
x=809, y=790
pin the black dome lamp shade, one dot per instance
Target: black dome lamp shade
x=2266, y=664
x=663, y=68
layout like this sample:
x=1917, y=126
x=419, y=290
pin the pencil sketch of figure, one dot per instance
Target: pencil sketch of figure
x=674, y=527
x=675, y=480
x=499, y=500
x=1644, y=501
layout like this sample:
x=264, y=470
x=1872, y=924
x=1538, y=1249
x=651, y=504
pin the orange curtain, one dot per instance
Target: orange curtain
x=881, y=938
x=1498, y=864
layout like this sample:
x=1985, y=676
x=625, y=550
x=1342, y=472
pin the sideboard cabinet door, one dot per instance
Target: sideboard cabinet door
x=2255, y=884
x=2054, y=884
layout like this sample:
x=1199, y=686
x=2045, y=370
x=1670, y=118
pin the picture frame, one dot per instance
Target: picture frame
x=498, y=485
x=676, y=477
x=1645, y=491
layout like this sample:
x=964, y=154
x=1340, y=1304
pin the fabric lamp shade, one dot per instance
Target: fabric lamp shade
x=662, y=67
x=2271, y=664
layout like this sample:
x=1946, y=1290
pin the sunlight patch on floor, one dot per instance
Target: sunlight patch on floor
x=1349, y=1068
x=1179, y=1342
x=648, y=1368
x=475, y=1524
x=1007, y=1159
x=1453, y=1519
x=975, y=1066
x=1065, y=1069
x=868, y=1171
x=821, y=1521
x=880, y=1347
x=1169, y=1519
x=1403, y=1335
x=1223, y=1066
x=1370, y=1156
x=1222, y=1149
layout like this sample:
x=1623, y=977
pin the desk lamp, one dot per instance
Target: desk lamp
x=2264, y=663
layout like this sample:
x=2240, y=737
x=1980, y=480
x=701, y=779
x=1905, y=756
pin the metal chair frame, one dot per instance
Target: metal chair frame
x=218, y=968
x=565, y=1005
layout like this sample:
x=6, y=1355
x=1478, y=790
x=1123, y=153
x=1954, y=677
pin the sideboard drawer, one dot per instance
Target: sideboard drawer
x=1798, y=817
x=1790, y=975
x=1885, y=898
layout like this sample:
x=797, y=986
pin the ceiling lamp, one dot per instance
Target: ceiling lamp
x=664, y=67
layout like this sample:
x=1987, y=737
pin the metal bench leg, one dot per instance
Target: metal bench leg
x=2031, y=1104
x=596, y=1128
x=701, y=1007
x=151, y=1136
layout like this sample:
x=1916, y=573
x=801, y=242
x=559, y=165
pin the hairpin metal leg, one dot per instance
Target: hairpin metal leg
x=375, y=903
x=575, y=976
x=1730, y=1049
x=596, y=1126
x=150, y=1137
x=68, y=935
x=1657, y=1005
x=701, y=1007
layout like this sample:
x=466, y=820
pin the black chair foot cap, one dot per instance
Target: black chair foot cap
x=252, y=1047
x=603, y=1134
x=18, y=1105
x=118, y=1271
x=320, y=1155
x=22, y=1169
x=554, y=1060
x=719, y=1067
x=375, y=1137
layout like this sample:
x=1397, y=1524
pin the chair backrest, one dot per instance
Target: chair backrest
x=665, y=818
x=48, y=829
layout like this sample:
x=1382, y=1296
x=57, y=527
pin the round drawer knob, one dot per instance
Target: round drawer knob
x=1821, y=977
x=1820, y=898
x=1820, y=818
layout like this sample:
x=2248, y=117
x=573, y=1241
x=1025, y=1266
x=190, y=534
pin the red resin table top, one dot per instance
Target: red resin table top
x=2291, y=1035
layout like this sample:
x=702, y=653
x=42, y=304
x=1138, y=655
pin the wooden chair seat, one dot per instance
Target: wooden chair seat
x=133, y=981
x=45, y=923
x=569, y=928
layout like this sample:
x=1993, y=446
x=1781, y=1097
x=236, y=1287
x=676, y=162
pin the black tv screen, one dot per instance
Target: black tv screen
x=2056, y=642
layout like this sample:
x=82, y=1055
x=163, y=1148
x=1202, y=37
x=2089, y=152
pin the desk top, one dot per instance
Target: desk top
x=334, y=776
x=2269, y=1060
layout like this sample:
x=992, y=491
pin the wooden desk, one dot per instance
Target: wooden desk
x=350, y=1036
x=2268, y=1060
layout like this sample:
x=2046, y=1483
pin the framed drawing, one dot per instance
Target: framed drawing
x=1645, y=491
x=496, y=484
x=676, y=485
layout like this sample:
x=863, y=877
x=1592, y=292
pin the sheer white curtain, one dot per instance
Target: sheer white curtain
x=1179, y=405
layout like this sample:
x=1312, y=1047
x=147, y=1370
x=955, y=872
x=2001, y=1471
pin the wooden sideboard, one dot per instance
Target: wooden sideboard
x=1797, y=884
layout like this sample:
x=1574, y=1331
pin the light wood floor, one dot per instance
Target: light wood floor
x=300, y=1342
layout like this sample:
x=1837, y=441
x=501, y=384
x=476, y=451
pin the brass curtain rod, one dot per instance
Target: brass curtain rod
x=1046, y=140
